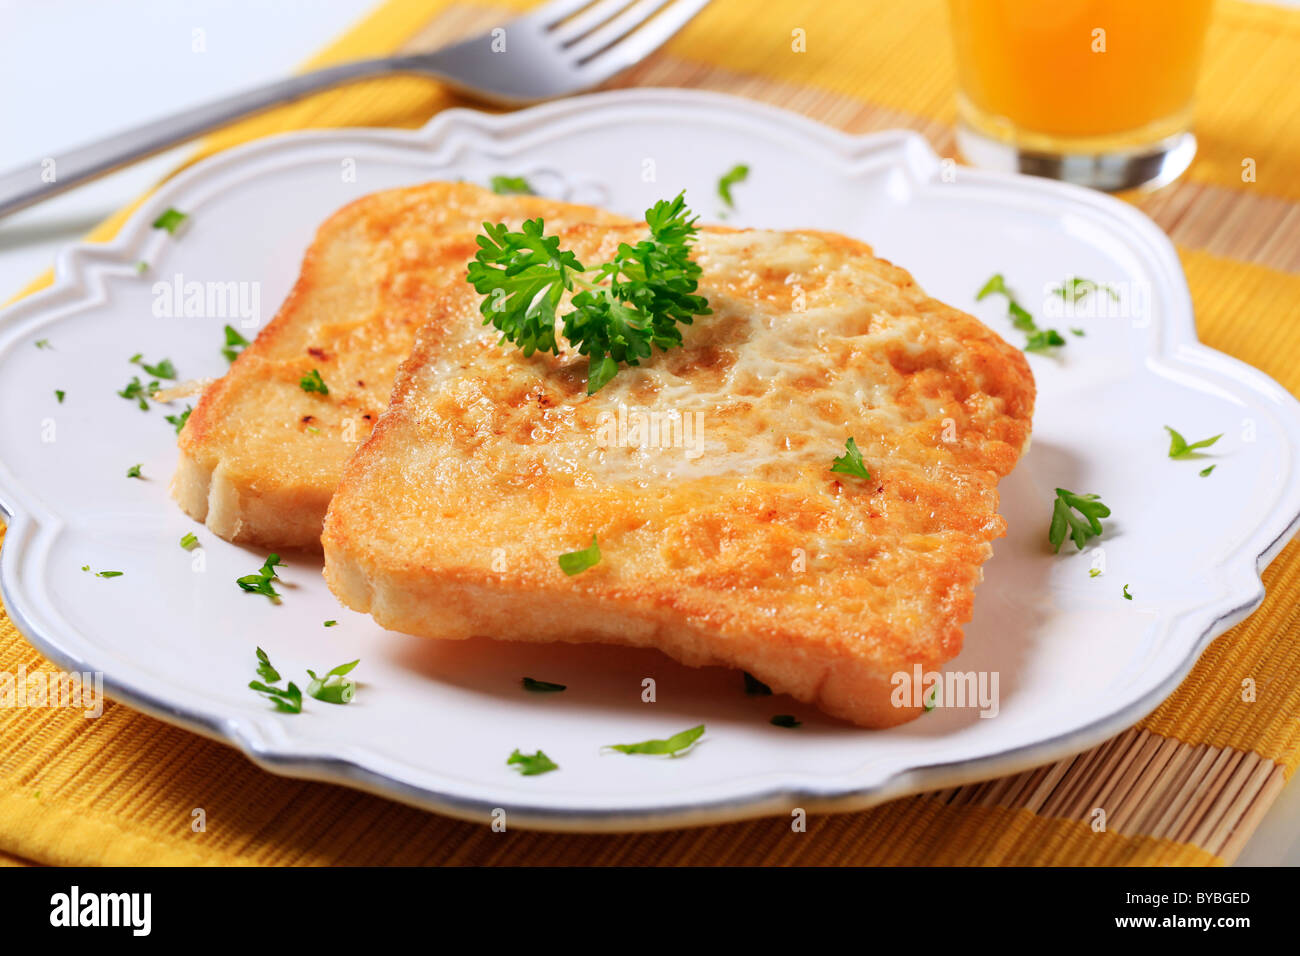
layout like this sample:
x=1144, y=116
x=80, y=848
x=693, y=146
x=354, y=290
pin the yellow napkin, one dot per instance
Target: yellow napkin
x=1186, y=786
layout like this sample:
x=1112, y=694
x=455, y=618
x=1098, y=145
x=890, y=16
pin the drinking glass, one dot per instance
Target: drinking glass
x=1095, y=92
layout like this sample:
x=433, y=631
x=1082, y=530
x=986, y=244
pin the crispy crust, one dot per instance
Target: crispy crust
x=488, y=465
x=259, y=457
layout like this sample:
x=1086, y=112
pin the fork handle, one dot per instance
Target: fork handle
x=27, y=184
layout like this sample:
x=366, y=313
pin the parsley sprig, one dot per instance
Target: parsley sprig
x=619, y=310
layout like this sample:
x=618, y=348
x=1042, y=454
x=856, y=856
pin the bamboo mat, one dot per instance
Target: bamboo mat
x=1188, y=785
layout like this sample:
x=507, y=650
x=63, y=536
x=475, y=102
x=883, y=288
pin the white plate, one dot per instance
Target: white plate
x=433, y=723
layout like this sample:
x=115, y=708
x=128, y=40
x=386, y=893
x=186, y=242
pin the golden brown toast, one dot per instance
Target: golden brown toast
x=260, y=457
x=752, y=553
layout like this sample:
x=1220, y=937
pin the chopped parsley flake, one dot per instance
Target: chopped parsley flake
x=138, y=392
x=134, y=472
x=260, y=581
x=43, y=344
x=531, y=766
x=1076, y=289
x=1040, y=340
x=264, y=668
x=755, y=687
x=163, y=369
x=512, y=186
x=287, y=700
x=542, y=686
x=996, y=285
x=1205, y=472
x=234, y=343
x=312, y=382
x=575, y=562
x=736, y=174
x=180, y=420
x=674, y=745
x=335, y=687
x=1179, y=447
x=1094, y=572
x=331, y=623
x=850, y=463
x=1127, y=596
x=59, y=394
x=170, y=220
x=1020, y=318
x=1064, y=518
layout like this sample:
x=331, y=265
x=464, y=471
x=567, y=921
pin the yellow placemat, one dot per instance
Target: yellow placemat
x=1187, y=785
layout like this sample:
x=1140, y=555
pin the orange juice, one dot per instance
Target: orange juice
x=1070, y=76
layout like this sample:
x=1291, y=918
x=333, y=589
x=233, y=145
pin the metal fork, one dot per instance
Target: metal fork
x=562, y=47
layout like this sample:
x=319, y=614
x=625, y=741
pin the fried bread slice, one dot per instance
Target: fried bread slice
x=751, y=553
x=260, y=457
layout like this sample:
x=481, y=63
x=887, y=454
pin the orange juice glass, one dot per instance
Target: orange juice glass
x=1097, y=92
